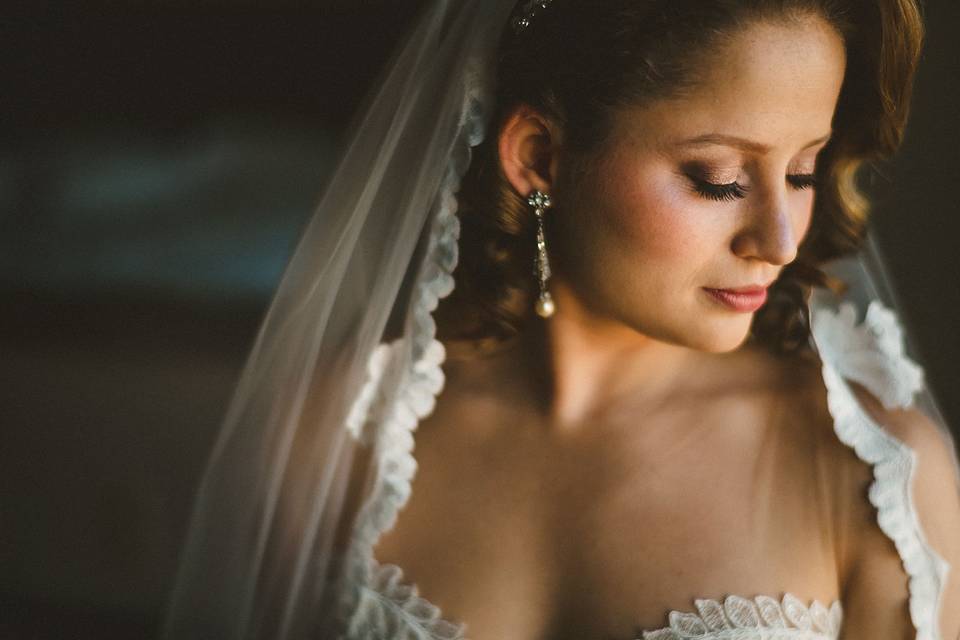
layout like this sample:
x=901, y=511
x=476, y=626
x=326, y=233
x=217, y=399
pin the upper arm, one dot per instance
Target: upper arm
x=877, y=586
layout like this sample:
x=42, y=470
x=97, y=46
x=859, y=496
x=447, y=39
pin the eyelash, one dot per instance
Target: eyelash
x=734, y=191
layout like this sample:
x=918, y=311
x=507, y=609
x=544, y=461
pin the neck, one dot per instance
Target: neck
x=581, y=364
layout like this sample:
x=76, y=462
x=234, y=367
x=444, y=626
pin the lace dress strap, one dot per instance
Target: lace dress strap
x=872, y=354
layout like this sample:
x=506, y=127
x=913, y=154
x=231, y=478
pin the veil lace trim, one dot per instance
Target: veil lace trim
x=872, y=353
x=388, y=423
x=391, y=608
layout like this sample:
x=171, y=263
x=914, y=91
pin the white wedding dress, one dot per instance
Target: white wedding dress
x=377, y=604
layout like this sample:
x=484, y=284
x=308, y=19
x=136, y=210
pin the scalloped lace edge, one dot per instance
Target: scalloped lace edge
x=418, y=388
x=391, y=593
x=893, y=464
x=738, y=617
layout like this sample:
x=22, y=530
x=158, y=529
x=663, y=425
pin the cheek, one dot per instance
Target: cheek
x=803, y=214
x=654, y=218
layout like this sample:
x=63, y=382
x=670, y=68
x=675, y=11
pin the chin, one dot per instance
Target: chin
x=721, y=339
x=708, y=335
x=688, y=326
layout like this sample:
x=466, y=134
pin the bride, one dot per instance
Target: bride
x=654, y=420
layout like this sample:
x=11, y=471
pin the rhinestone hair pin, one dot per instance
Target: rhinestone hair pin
x=529, y=10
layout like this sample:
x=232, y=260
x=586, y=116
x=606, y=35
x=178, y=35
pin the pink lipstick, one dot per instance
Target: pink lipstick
x=745, y=300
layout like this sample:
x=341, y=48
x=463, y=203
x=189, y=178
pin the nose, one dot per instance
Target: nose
x=768, y=232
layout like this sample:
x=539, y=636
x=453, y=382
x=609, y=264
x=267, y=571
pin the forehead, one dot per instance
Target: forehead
x=773, y=83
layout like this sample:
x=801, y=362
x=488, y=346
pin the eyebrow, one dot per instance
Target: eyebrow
x=739, y=143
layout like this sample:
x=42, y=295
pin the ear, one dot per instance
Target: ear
x=529, y=149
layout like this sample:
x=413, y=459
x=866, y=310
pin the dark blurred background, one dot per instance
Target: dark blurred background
x=157, y=161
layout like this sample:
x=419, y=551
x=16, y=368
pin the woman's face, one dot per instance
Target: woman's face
x=708, y=191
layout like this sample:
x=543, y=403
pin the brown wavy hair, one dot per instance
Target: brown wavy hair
x=579, y=61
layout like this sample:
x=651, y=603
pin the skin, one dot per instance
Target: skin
x=574, y=473
x=637, y=244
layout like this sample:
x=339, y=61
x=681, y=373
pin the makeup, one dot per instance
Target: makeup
x=742, y=301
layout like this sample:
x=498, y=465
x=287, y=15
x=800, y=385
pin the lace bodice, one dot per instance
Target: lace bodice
x=391, y=609
x=762, y=617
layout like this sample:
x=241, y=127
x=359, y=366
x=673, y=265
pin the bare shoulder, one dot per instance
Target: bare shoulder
x=877, y=599
x=935, y=490
x=914, y=428
x=936, y=482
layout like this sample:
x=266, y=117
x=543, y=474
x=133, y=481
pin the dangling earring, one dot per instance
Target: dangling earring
x=541, y=202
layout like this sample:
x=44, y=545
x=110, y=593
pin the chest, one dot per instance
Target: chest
x=525, y=536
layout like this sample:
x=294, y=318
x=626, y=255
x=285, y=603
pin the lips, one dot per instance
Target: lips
x=742, y=300
x=754, y=290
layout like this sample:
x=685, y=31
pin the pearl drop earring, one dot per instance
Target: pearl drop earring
x=544, y=306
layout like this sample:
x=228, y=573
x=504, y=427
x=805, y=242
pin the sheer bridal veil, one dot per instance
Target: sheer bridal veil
x=327, y=385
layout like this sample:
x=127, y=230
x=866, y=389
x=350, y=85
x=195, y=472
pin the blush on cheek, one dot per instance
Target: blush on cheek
x=657, y=220
x=804, y=218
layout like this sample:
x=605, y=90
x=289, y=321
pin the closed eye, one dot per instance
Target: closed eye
x=722, y=192
x=735, y=190
x=802, y=180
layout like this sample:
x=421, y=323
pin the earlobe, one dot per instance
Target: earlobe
x=527, y=147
